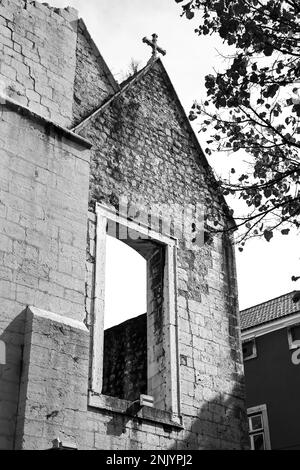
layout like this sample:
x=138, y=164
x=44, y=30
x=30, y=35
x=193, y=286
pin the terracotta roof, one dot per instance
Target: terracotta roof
x=268, y=311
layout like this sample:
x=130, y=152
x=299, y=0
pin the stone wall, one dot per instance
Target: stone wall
x=37, y=56
x=142, y=147
x=93, y=80
x=125, y=359
x=157, y=361
x=53, y=386
x=43, y=206
x=211, y=379
x=49, y=63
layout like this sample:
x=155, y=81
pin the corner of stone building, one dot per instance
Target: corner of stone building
x=44, y=201
x=38, y=57
x=54, y=380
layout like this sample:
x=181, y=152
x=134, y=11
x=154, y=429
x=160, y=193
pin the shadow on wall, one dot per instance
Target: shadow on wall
x=13, y=337
x=117, y=425
x=221, y=423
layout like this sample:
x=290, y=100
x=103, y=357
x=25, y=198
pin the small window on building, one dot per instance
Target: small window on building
x=249, y=349
x=294, y=336
x=259, y=428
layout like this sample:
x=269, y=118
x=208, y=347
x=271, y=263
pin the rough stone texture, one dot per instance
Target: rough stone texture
x=93, y=80
x=157, y=362
x=143, y=146
x=53, y=388
x=43, y=204
x=125, y=359
x=49, y=62
x=140, y=142
x=37, y=55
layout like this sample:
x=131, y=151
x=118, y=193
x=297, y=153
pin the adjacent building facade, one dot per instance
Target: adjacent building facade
x=83, y=157
x=271, y=349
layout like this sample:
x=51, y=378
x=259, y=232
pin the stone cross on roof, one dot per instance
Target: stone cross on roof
x=155, y=47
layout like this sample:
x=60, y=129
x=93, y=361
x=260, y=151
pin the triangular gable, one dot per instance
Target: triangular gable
x=94, y=81
x=129, y=83
x=101, y=61
x=122, y=89
x=202, y=157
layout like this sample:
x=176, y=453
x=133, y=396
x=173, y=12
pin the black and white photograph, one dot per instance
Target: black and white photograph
x=149, y=228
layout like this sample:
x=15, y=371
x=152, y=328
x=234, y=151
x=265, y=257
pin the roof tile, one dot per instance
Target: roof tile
x=268, y=311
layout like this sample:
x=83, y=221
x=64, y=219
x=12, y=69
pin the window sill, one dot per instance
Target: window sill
x=125, y=407
x=249, y=357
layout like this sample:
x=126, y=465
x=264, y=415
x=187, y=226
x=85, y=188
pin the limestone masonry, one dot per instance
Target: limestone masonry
x=74, y=143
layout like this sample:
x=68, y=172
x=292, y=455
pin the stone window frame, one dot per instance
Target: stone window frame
x=171, y=344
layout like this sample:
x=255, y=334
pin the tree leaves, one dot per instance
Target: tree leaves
x=271, y=90
x=268, y=234
x=189, y=14
x=268, y=50
x=187, y=9
x=296, y=109
x=254, y=106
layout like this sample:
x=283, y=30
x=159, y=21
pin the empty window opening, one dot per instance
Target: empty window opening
x=139, y=355
x=133, y=313
x=125, y=322
x=125, y=283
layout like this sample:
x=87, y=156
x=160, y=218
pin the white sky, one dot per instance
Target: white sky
x=125, y=289
x=117, y=27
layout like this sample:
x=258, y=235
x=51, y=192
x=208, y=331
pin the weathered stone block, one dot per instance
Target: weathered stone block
x=59, y=403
